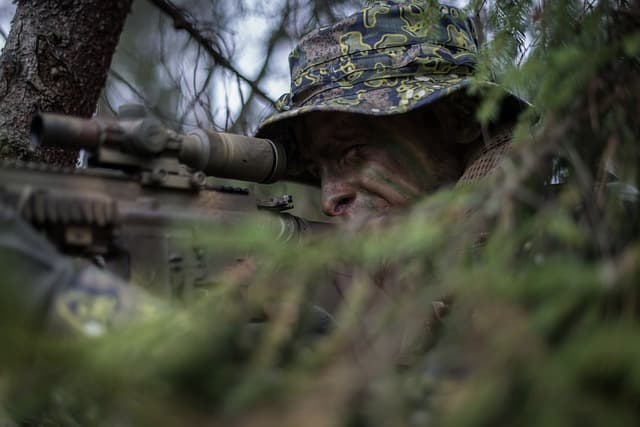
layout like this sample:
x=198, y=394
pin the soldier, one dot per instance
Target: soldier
x=378, y=116
x=378, y=113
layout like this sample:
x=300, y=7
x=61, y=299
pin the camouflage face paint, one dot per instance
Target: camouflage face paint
x=369, y=168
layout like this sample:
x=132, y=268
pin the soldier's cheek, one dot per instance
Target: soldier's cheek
x=388, y=185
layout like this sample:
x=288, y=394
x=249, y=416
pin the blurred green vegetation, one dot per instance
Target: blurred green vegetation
x=542, y=280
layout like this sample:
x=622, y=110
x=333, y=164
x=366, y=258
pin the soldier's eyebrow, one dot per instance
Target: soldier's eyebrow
x=347, y=129
x=336, y=134
x=335, y=146
x=343, y=131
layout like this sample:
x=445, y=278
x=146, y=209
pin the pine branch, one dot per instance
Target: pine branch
x=181, y=20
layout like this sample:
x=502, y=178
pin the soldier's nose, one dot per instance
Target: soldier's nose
x=336, y=201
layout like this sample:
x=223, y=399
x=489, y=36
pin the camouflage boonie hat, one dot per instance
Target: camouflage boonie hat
x=388, y=58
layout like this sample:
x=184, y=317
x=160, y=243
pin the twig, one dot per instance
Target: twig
x=131, y=87
x=182, y=21
x=140, y=95
x=196, y=98
x=478, y=22
x=273, y=41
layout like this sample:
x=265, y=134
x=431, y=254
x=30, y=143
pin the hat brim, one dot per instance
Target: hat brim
x=391, y=96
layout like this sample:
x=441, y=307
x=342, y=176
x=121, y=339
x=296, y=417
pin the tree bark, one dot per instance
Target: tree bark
x=56, y=59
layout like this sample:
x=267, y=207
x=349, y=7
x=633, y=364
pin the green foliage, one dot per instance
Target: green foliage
x=544, y=279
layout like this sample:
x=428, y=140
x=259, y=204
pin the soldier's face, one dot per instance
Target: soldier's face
x=370, y=166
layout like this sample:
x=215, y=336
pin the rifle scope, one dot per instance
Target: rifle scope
x=219, y=154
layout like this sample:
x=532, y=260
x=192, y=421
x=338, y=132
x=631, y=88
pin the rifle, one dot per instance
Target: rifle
x=140, y=207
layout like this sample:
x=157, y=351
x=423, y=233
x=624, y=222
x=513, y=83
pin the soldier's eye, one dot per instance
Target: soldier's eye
x=353, y=152
x=313, y=170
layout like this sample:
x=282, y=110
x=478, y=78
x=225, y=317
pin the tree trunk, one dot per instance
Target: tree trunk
x=56, y=60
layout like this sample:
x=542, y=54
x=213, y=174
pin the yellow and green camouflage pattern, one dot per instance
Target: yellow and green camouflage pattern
x=389, y=58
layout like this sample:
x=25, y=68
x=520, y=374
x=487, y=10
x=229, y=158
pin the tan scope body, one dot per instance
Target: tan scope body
x=228, y=155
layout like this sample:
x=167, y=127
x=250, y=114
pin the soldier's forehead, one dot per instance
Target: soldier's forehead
x=334, y=120
x=327, y=145
x=332, y=128
x=328, y=134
